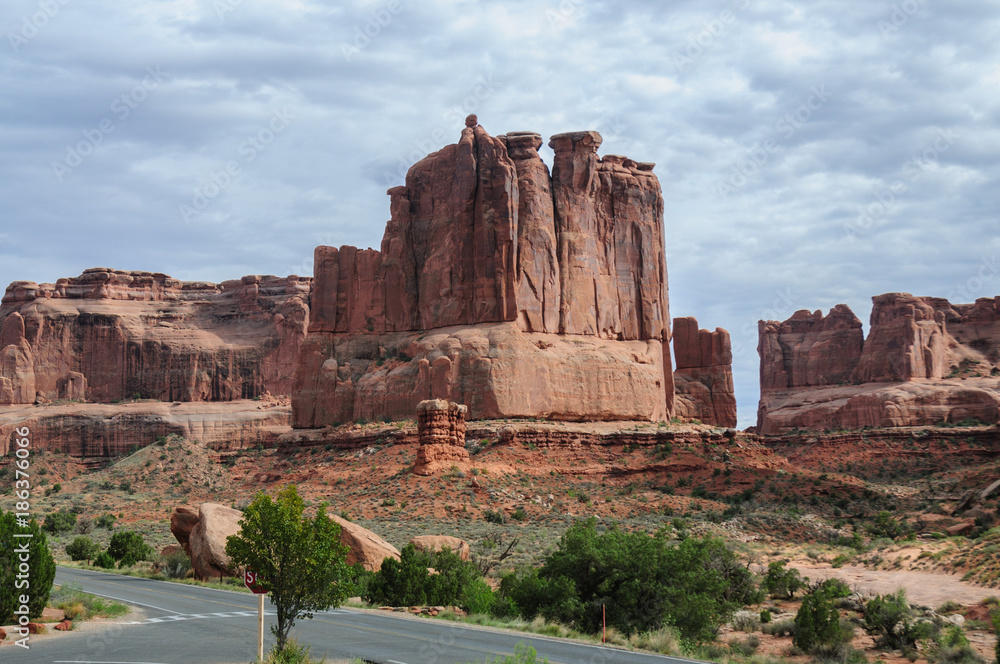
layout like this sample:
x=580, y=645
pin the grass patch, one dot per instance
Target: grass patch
x=78, y=605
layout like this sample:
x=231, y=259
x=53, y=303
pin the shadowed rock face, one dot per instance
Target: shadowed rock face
x=111, y=335
x=703, y=379
x=487, y=266
x=925, y=361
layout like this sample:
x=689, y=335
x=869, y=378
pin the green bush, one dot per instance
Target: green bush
x=817, y=623
x=82, y=548
x=642, y=581
x=888, y=618
x=784, y=627
x=495, y=517
x=835, y=588
x=104, y=560
x=885, y=525
x=765, y=616
x=407, y=581
x=105, y=521
x=40, y=562
x=128, y=548
x=59, y=522
x=780, y=582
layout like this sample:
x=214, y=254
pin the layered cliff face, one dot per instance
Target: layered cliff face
x=925, y=361
x=703, y=379
x=499, y=286
x=109, y=335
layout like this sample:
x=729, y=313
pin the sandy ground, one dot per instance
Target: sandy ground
x=922, y=588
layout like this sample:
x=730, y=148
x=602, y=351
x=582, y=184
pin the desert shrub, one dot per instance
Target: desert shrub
x=765, y=616
x=128, y=548
x=83, y=526
x=835, y=588
x=746, y=621
x=889, y=619
x=744, y=647
x=80, y=605
x=523, y=654
x=884, y=525
x=59, y=522
x=82, y=548
x=781, y=582
x=175, y=565
x=495, y=517
x=784, y=627
x=952, y=647
x=105, y=521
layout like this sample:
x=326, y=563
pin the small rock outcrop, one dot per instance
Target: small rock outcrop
x=441, y=431
x=110, y=335
x=703, y=379
x=501, y=286
x=925, y=361
x=441, y=542
x=364, y=546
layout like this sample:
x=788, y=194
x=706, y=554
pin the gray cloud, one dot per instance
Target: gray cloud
x=715, y=93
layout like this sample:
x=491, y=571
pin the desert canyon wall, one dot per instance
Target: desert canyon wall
x=111, y=335
x=925, y=361
x=703, y=380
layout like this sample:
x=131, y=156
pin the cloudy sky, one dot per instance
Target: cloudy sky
x=810, y=153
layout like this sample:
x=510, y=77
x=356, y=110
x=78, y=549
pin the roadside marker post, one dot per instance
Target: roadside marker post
x=250, y=581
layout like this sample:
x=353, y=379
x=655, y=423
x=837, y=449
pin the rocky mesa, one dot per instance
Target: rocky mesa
x=110, y=335
x=925, y=361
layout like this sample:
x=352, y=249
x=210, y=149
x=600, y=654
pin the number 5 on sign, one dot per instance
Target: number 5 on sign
x=250, y=580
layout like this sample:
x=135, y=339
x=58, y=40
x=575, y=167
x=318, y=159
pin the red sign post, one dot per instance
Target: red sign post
x=250, y=581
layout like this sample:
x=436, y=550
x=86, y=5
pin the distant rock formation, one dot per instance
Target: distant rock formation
x=111, y=335
x=441, y=430
x=501, y=287
x=703, y=379
x=925, y=361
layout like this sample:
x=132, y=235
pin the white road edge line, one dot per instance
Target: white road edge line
x=78, y=661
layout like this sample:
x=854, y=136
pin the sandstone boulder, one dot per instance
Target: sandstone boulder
x=182, y=522
x=206, y=542
x=64, y=626
x=441, y=542
x=364, y=546
x=171, y=549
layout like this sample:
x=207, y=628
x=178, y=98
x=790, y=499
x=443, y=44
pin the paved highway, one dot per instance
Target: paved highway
x=194, y=625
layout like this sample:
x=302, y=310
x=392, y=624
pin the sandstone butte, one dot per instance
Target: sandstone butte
x=503, y=287
x=499, y=286
x=925, y=361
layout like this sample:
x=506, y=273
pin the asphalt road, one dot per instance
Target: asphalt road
x=193, y=625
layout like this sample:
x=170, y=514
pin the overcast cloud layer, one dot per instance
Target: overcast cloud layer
x=810, y=153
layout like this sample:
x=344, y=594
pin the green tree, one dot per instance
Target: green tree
x=59, y=522
x=817, y=623
x=781, y=582
x=41, y=566
x=83, y=548
x=300, y=560
x=128, y=548
x=889, y=619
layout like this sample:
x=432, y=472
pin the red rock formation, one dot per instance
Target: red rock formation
x=110, y=335
x=432, y=543
x=107, y=430
x=364, y=546
x=441, y=430
x=925, y=362
x=487, y=264
x=202, y=533
x=703, y=380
